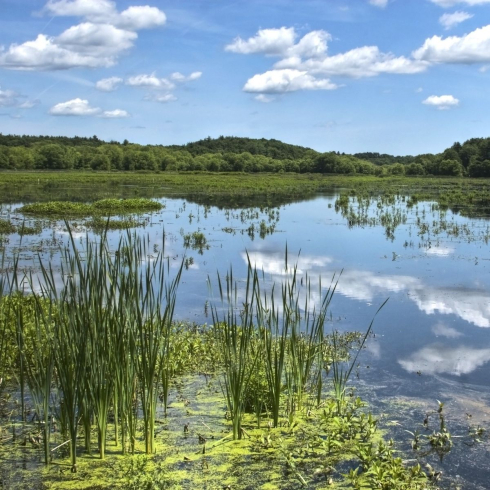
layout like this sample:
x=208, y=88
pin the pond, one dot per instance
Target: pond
x=430, y=342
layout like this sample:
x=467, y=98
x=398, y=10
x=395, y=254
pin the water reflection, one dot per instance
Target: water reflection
x=471, y=305
x=442, y=330
x=441, y=359
x=441, y=251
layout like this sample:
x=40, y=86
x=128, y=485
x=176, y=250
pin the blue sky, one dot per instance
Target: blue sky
x=394, y=76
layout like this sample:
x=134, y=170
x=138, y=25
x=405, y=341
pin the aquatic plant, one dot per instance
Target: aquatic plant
x=104, y=207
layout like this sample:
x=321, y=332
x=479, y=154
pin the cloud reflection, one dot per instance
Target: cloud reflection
x=471, y=305
x=440, y=359
x=442, y=330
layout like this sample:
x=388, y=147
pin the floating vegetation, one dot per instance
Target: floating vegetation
x=7, y=227
x=196, y=241
x=105, y=207
x=101, y=224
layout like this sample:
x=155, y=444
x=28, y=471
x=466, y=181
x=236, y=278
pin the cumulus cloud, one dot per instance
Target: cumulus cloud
x=178, y=77
x=74, y=107
x=442, y=102
x=470, y=48
x=452, y=3
x=451, y=20
x=264, y=98
x=267, y=41
x=306, y=65
x=440, y=359
x=309, y=64
x=281, y=42
x=379, y=3
x=104, y=11
x=286, y=80
x=98, y=41
x=108, y=84
x=116, y=113
x=81, y=107
x=367, y=61
x=92, y=9
x=45, y=54
x=159, y=89
x=136, y=18
x=150, y=81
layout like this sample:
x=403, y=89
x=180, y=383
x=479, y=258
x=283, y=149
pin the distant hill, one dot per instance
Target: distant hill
x=232, y=144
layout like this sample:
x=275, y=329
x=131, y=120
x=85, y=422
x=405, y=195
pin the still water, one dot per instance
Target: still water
x=431, y=340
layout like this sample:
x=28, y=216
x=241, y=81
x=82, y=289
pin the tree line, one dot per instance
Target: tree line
x=232, y=154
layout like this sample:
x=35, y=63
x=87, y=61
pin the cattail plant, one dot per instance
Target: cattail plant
x=235, y=332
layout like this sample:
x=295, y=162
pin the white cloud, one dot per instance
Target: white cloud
x=287, y=80
x=470, y=48
x=178, y=77
x=97, y=40
x=133, y=18
x=443, y=330
x=420, y=89
x=8, y=98
x=150, y=81
x=452, y=3
x=367, y=61
x=92, y=9
x=104, y=35
x=442, y=102
x=267, y=41
x=74, y=107
x=264, y=98
x=437, y=359
x=108, y=84
x=116, y=113
x=451, y=20
x=45, y=54
x=163, y=99
x=379, y=3
x=136, y=18
x=311, y=45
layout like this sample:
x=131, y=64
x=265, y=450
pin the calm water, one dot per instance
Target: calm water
x=432, y=339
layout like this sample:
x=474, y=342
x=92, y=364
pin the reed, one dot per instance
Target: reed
x=235, y=332
x=340, y=375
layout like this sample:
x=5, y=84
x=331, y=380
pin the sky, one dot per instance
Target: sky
x=391, y=76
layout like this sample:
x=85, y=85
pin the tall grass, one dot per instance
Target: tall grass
x=235, y=332
x=293, y=333
x=104, y=321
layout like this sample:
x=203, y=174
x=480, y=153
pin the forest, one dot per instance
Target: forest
x=232, y=154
